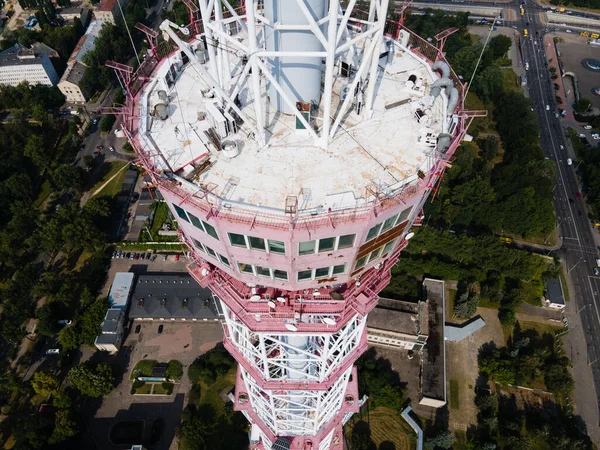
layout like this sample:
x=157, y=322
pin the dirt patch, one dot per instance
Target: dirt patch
x=462, y=368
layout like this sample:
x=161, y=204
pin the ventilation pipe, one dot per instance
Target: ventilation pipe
x=443, y=142
x=452, y=100
x=442, y=67
x=436, y=87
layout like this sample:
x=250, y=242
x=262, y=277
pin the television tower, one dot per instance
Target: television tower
x=296, y=142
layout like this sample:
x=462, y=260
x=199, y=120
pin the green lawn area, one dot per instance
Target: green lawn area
x=160, y=390
x=161, y=210
x=510, y=80
x=210, y=393
x=109, y=170
x=387, y=425
x=143, y=389
x=454, y=397
x=44, y=194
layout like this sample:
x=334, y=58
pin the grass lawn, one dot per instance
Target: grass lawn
x=44, y=194
x=210, y=393
x=160, y=390
x=109, y=170
x=541, y=328
x=160, y=215
x=388, y=425
x=510, y=81
x=454, y=395
x=565, y=288
x=143, y=389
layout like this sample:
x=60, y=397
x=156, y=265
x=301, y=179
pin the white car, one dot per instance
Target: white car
x=569, y=31
x=561, y=147
x=595, y=136
x=587, y=127
x=569, y=161
x=581, y=135
x=53, y=351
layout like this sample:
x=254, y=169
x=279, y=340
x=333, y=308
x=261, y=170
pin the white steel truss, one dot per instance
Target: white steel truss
x=280, y=357
x=338, y=42
x=296, y=413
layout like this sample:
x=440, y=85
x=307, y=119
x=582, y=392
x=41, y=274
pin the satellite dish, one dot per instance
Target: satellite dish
x=281, y=299
x=255, y=298
x=336, y=295
x=291, y=327
x=316, y=293
x=271, y=304
x=205, y=272
x=409, y=236
x=329, y=321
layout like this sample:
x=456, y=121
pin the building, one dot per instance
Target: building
x=71, y=83
x=111, y=336
x=20, y=64
x=69, y=15
x=173, y=297
x=108, y=11
x=555, y=297
x=296, y=166
x=121, y=290
x=398, y=324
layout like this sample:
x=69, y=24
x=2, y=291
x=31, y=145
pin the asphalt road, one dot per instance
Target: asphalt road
x=578, y=250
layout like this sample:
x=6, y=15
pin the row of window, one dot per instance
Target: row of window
x=260, y=271
x=387, y=224
x=200, y=224
x=374, y=255
x=206, y=249
x=257, y=243
x=322, y=272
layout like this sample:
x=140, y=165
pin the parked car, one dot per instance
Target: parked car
x=126, y=255
x=148, y=256
x=53, y=351
x=587, y=127
x=114, y=255
x=100, y=147
x=154, y=258
x=160, y=329
x=132, y=255
x=137, y=329
x=596, y=271
x=95, y=121
x=66, y=322
x=165, y=257
x=569, y=161
x=111, y=148
x=579, y=195
x=142, y=256
x=137, y=256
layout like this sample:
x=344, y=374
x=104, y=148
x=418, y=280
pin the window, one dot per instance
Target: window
x=198, y=244
x=181, y=213
x=210, y=230
x=256, y=243
x=375, y=254
x=389, y=223
x=339, y=269
x=224, y=260
x=304, y=275
x=326, y=245
x=263, y=271
x=373, y=232
x=245, y=268
x=195, y=221
x=404, y=215
x=280, y=274
x=322, y=272
x=360, y=262
x=305, y=248
x=276, y=247
x=210, y=251
x=346, y=241
x=237, y=240
x=388, y=247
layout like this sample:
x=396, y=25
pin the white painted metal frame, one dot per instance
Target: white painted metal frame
x=338, y=45
x=271, y=355
x=296, y=413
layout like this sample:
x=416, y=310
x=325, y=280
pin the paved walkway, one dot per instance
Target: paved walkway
x=552, y=59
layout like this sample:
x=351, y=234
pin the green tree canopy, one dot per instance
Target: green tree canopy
x=93, y=381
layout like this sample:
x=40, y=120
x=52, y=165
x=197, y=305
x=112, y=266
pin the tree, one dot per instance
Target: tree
x=70, y=338
x=466, y=305
x=174, y=370
x=62, y=400
x=582, y=105
x=107, y=123
x=92, y=381
x=499, y=45
x=37, y=151
x=67, y=176
x=443, y=440
x=44, y=384
x=64, y=427
x=197, y=432
x=48, y=319
x=90, y=320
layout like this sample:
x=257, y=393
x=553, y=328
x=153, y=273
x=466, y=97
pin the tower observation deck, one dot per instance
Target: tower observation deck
x=296, y=143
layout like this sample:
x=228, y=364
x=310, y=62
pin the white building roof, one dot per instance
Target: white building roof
x=120, y=290
x=386, y=150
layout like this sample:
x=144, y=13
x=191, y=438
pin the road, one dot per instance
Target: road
x=578, y=250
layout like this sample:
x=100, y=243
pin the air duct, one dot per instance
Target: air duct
x=443, y=142
x=442, y=67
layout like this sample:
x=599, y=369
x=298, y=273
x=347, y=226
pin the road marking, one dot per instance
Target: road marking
x=594, y=302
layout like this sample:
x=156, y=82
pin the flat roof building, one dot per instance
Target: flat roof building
x=554, y=293
x=121, y=289
x=108, y=11
x=111, y=337
x=398, y=324
x=33, y=65
x=172, y=297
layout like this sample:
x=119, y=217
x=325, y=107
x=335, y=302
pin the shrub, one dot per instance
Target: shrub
x=168, y=387
x=174, y=370
x=143, y=368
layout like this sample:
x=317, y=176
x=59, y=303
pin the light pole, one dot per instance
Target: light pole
x=583, y=307
x=576, y=264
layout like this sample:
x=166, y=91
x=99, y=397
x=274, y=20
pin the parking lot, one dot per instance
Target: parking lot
x=573, y=50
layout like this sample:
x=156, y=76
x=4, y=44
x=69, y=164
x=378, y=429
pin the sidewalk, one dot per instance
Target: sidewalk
x=552, y=59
